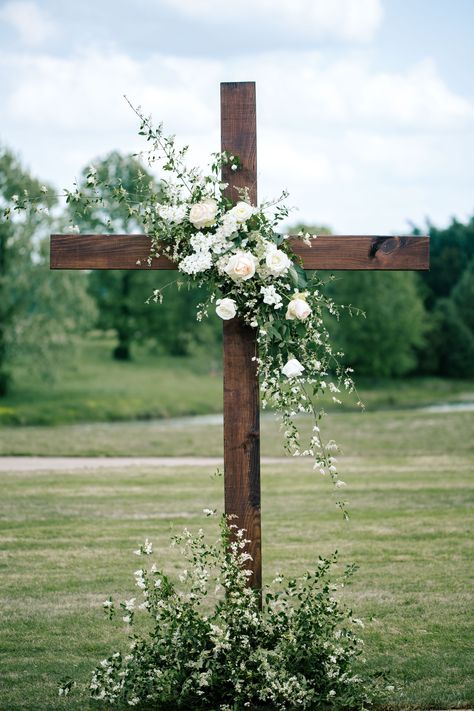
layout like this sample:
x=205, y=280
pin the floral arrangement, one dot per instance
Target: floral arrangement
x=210, y=646
x=251, y=273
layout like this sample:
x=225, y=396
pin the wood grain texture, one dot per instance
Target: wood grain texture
x=241, y=388
x=103, y=252
x=239, y=136
x=242, y=438
x=364, y=252
x=328, y=252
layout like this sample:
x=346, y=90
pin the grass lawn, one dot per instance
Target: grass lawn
x=67, y=539
x=96, y=388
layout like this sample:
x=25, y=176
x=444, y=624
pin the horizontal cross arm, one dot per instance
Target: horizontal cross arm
x=327, y=252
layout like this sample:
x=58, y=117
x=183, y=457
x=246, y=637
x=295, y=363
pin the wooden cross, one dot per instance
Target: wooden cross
x=241, y=390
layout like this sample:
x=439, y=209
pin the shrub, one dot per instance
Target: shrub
x=211, y=647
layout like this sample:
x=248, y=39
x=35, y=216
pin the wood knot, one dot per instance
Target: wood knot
x=386, y=245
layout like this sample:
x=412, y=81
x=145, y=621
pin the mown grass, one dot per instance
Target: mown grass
x=386, y=433
x=67, y=539
x=95, y=388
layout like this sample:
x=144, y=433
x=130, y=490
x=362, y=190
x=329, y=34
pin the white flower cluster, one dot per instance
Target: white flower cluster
x=271, y=296
x=172, y=213
x=255, y=277
x=231, y=648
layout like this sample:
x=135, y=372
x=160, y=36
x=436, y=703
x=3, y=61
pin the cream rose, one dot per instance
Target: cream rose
x=203, y=214
x=298, y=308
x=226, y=308
x=241, y=266
x=242, y=211
x=293, y=368
x=277, y=262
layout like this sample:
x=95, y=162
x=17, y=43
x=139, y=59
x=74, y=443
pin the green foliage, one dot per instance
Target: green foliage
x=450, y=342
x=40, y=313
x=122, y=296
x=463, y=296
x=451, y=249
x=384, y=343
x=298, y=652
x=310, y=229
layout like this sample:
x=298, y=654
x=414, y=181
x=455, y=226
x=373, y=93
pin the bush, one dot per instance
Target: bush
x=463, y=296
x=297, y=652
x=384, y=343
x=450, y=347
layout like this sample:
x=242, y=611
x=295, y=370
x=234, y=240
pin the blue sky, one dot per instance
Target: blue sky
x=365, y=107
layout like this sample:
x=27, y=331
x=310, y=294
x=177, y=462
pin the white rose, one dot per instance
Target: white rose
x=241, y=266
x=226, y=308
x=293, y=368
x=277, y=262
x=298, y=308
x=203, y=214
x=242, y=211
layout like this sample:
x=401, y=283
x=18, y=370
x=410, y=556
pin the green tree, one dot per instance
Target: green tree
x=40, y=312
x=385, y=342
x=450, y=342
x=451, y=249
x=122, y=295
x=463, y=296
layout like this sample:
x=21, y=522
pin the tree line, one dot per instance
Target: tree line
x=411, y=323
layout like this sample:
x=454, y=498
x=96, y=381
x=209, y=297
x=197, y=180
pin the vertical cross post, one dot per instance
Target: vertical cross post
x=241, y=388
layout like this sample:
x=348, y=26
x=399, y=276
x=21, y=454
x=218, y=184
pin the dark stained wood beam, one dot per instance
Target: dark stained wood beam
x=241, y=387
x=327, y=252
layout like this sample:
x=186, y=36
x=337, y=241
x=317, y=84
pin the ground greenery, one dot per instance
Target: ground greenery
x=96, y=388
x=68, y=537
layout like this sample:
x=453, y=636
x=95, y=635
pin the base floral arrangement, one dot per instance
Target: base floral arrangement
x=210, y=647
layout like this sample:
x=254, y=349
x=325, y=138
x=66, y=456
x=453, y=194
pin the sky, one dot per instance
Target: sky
x=365, y=108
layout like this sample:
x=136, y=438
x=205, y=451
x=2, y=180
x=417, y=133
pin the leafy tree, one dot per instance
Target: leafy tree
x=40, y=311
x=383, y=343
x=463, y=296
x=450, y=342
x=451, y=249
x=122, y=295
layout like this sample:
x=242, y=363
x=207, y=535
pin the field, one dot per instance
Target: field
x=68, y=536
x=94, y=388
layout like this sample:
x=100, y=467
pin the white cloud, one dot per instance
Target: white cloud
x=32, y=25
x=326, y=20
x=359, y=149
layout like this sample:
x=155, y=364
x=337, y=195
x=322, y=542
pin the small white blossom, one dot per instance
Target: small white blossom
x=271, y=296
x=130, y=604
x=197, y=262
x=172, y=213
